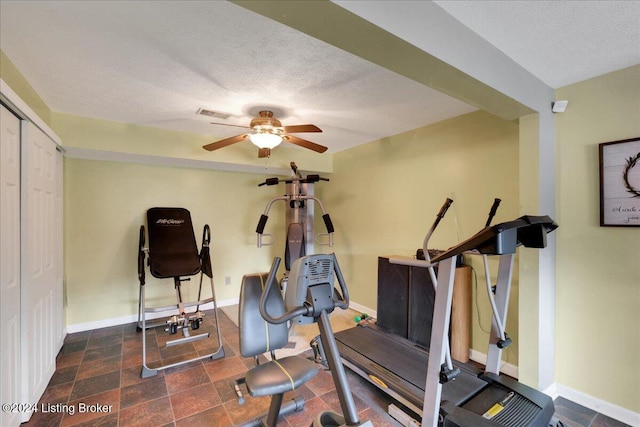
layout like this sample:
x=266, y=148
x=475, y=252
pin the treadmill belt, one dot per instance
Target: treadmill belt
x=407, y=362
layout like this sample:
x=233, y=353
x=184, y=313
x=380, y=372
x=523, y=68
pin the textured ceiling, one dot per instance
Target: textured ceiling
x=156, y=63
x=559, y=41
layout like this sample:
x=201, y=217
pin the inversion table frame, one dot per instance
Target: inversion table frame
x=173, y=253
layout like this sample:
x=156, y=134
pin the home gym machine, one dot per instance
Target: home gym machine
x=173, y=254
x=299, y=224
x=310, y=297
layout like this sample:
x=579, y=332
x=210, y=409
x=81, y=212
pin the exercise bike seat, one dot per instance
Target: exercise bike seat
x=279, y=376
x=257, y=336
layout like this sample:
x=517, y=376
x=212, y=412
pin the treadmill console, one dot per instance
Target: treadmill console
x=529, y=231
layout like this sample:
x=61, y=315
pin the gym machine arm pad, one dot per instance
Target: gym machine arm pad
x=328, y=223
x=262, y=223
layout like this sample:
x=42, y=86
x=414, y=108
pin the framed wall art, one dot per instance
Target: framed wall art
x=620, y=183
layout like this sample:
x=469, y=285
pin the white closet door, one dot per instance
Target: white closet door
x=41, y=271
x=9, y=265
x=58, y=331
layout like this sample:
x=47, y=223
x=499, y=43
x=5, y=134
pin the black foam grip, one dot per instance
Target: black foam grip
x=141, y=257
x=272, y=181
x=492, y=212
x=328, y=223
x=261, y=224
x=205, y=259
x=313, y=178
x=443, y=209
x=141, y=277
x=206, y=235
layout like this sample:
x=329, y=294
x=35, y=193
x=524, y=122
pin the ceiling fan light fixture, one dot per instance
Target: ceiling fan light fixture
x=267, y=132
x=265, y=139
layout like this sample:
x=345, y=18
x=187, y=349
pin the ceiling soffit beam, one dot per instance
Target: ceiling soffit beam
x=349, y=32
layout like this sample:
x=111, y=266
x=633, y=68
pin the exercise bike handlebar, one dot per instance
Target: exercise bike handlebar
x=341, y=301
x=439, y=216
x=265, y=295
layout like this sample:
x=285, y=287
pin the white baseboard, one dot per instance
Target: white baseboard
x=363, y=309
x=122, y=320
x=506, y=368
x=552, y=391
x=606, y=408
x=115, y=321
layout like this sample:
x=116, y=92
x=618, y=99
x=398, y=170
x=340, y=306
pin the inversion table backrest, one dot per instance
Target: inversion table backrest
x=172, y=244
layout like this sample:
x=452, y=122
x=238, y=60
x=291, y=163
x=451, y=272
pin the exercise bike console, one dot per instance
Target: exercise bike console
x=310, y=297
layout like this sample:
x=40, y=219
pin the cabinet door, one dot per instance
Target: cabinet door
x=41, y=273
x=393, y=297
x=9, y=264
x=422, y=295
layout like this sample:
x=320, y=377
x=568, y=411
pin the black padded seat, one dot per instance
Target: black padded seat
x=279, y=376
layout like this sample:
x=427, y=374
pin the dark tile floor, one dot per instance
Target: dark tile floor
x=98, y=379
x=574, y=415
x=102, y=367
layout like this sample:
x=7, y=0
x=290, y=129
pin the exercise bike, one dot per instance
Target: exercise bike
x=310, y=298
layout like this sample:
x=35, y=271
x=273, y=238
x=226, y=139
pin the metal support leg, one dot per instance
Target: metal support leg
x=274, y=409
x=439, y=341
x=337, y=370
x=503, y=289
x=140, y=296
x=217, y=354
x=290, y=406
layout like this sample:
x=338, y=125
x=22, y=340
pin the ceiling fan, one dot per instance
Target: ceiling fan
x=267, y=132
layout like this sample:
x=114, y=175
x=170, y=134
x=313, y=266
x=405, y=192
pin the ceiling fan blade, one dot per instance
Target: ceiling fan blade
x=229, y=124
x=225, y=142
x=264, y=152
x=304, y=143
x=301, y=128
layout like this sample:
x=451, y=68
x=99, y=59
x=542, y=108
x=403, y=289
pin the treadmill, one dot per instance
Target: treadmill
x=456, y=394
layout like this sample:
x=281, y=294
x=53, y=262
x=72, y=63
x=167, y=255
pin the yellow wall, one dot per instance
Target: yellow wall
x=385, y=195
x=106, y=201
x=94, y=134
x=105, y=205
x=598, y=268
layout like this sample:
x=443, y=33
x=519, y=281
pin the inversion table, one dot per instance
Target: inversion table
x=173, y=253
